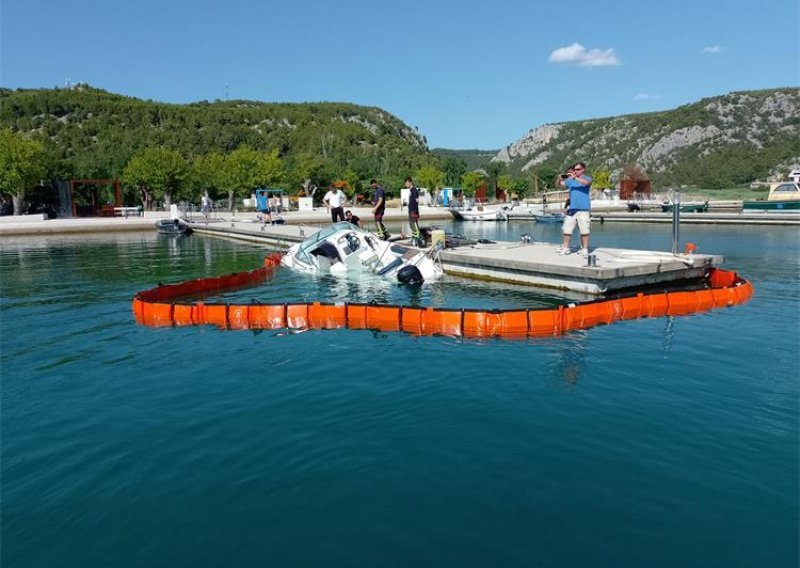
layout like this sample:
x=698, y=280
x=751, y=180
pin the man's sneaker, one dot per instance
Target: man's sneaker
x=563, y=251
x=584, y=252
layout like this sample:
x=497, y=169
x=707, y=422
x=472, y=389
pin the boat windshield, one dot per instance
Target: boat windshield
x=312, y=242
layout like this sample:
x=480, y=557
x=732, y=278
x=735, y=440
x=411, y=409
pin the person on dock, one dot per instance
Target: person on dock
x=353, y=219
x=262, y=206
x=335, y=201
x=205, y=206
x=579, y=207
x=413, y=212
x=379, y=208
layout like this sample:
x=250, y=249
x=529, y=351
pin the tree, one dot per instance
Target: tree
x=22, y=165
x=158, y=173
x=471, y=181
x=206, y=174
x=494, y=169
x=430, y=177
x=544, y=178
x=453, y=169
x=601, y=179
x=247, y=169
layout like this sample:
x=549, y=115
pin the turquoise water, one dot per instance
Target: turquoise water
x=663, y=442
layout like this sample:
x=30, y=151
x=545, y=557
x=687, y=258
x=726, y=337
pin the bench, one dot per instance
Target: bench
x=127, y=211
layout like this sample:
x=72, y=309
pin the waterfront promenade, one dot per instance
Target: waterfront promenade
x=37, y=225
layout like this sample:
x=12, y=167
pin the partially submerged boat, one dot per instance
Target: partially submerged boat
x=173, y=227
x=783, y=196
x=343, y=248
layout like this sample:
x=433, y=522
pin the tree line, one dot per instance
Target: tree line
x=166, y=153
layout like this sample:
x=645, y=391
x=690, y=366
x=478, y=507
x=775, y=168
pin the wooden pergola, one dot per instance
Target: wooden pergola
x=75, y=182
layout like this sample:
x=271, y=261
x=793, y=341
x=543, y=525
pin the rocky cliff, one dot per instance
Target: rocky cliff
x=731, y=139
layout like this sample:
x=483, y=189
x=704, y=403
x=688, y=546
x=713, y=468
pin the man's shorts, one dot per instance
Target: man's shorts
x=580, y=218
x=264, y=211
x=378, y=216
x=413, y=215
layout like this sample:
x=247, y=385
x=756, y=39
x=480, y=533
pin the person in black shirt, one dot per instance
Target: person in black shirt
x=378, y=208
x=413, y=212
x=354, y=219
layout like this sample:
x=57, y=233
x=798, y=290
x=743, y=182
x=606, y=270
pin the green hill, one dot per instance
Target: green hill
x=91, y=133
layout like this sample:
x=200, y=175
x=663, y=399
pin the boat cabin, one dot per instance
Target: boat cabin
x=786, y=190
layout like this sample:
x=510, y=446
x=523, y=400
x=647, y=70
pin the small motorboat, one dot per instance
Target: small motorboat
x=173, y=227
x=479, y=212
x=694, y=207
x=343, y=248
x=549, y=218
x=783, y=196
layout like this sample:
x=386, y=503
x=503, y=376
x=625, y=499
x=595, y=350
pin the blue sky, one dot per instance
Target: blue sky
x=468, y=74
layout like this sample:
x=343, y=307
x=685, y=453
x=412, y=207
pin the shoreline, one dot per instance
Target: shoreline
x=37, y=225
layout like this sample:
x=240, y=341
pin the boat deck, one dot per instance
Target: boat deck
x=534, y=264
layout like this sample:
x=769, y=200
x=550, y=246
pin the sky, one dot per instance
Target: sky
x=468, y=74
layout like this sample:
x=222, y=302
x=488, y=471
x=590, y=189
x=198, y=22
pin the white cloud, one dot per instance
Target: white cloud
x=646, y=97
x=713, y=49
x=579, y=55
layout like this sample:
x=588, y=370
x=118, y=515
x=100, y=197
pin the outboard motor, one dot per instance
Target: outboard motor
x=410, y=274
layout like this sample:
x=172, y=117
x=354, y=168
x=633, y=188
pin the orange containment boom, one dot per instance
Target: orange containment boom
x=158, y=307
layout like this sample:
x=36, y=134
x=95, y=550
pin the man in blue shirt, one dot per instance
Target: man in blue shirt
x=579, y=212
x=262, y=206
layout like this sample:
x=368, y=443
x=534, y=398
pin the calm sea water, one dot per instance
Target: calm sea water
x=663, y=442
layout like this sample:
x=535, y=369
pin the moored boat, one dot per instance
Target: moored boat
x=479, y=212
x=783, y=196
x=173, y=227
x=549, y=218
x=686, y=207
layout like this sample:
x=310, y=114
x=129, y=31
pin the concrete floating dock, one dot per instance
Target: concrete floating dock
x=538, y=264
x=535, y=264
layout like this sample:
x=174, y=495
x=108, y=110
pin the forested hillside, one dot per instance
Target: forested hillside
x=90, y=133
x=164, y=152
x=717, y=142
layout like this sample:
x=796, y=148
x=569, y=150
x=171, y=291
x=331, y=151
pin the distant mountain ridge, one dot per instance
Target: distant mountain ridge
x=720, y=141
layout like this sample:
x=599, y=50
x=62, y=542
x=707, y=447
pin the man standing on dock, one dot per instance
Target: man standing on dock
x=413, y=213
x=334, y=200
x=580, y=206
x=379, y=207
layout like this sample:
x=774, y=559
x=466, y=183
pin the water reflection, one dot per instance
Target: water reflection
x=669, y=334
x=571, y=359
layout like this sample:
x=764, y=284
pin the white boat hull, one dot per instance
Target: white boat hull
x=480, y=213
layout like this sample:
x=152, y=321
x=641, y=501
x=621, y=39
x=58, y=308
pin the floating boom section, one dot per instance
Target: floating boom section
x=159, y=307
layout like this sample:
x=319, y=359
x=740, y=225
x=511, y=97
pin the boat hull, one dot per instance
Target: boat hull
x=789, y=205
x=172, y=227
